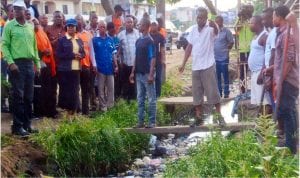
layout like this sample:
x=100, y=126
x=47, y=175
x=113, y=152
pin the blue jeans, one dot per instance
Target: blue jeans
x=22, y=91
x=222, y=69
x=287, y=112
x=158, y=79
x=145, y=89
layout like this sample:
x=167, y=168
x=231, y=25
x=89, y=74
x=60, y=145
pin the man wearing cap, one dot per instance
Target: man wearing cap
x=20, y=51
x=116, y=18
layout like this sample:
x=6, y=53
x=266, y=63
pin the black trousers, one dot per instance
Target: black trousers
x=48, y=92
x=128, y=89
x=85, y=84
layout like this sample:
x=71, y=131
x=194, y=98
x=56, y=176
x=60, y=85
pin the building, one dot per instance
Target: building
x=72, y=7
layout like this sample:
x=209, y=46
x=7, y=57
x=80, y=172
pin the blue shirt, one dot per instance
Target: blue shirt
x=222, y=41
x=104, y=49
x=145, y=52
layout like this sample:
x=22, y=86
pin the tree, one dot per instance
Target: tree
x=107, y=6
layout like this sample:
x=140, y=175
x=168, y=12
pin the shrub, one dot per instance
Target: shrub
x=238, y=156
x=91, y=147
x=124, y=114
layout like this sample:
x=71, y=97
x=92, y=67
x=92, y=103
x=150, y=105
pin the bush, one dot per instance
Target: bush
x=91, y=147
x=172, y=87
x=124, y=114
x=240, y=156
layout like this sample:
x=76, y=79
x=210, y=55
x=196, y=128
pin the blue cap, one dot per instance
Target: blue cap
x=71, y=22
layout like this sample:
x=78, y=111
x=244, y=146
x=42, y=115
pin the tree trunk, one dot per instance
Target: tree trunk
x=266, y=3
x=107, y=7
x=211, y=7
x=3, y=5
x=161, y=10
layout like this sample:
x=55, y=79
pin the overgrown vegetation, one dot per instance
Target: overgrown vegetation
x=238, y=156
x=98, y=146
x=172, y=87
x=5, y=141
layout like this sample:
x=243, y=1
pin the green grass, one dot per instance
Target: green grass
x=250, y=154
x=97, y=146
x=5, y=141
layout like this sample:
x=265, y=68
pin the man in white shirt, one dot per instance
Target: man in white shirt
x=201, y=46
x=128, y=38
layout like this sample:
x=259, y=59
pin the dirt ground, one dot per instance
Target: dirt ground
x=22, y=158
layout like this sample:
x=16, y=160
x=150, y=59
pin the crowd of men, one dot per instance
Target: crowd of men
x=120, y=57
x=99, y=61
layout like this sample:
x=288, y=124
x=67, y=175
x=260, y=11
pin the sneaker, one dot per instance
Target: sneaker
x=219, y=119
x=197, y=122
x=31, y=130
x=152, y=125
x=139, y=125
x=20, y=132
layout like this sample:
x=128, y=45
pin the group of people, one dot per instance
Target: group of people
x=103, y=59
x=123, y=60
x=269, y=48
x=273, y=61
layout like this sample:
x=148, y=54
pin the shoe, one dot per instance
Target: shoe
x=139, y=125
x=219, y=119
x=152, y=125
x=20, y=131
x=226, y=96
x=31, y=130
x=197, y=122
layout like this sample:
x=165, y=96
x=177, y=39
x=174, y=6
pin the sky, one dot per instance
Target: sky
x=222, y=5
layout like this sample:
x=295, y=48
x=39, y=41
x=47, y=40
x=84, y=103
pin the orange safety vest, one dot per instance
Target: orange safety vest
x=86, y=37
x=43, y=43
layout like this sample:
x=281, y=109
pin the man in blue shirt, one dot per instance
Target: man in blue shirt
x=144, y=69
x=111, y=32
x=223, y=44
x=103, y=51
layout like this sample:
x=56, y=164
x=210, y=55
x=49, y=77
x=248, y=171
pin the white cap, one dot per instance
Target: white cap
x=19, y=3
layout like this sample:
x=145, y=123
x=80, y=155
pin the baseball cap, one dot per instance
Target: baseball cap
x=19, y=3
x=71, y=22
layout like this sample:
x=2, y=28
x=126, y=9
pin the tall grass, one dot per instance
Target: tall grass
x=97, y=146
x=238, y=156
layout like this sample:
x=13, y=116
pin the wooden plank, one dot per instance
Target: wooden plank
x=188, y=129
x=187, y=100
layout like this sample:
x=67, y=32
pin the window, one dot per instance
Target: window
x=46, y=9
x=65, y=9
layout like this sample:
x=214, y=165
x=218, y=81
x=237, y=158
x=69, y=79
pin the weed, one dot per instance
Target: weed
x=242, y=156
x=5, y=141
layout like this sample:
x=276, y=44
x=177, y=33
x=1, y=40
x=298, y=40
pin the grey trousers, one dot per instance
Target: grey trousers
x=106, y=91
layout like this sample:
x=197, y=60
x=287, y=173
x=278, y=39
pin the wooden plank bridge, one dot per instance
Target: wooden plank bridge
x=186, y=100
x=188, y=129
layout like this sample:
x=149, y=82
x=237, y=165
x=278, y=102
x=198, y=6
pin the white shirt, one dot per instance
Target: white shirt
x=127, y=44
x=203, y=47
x=270, y=44
x=257, y=54
x=31, y=12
